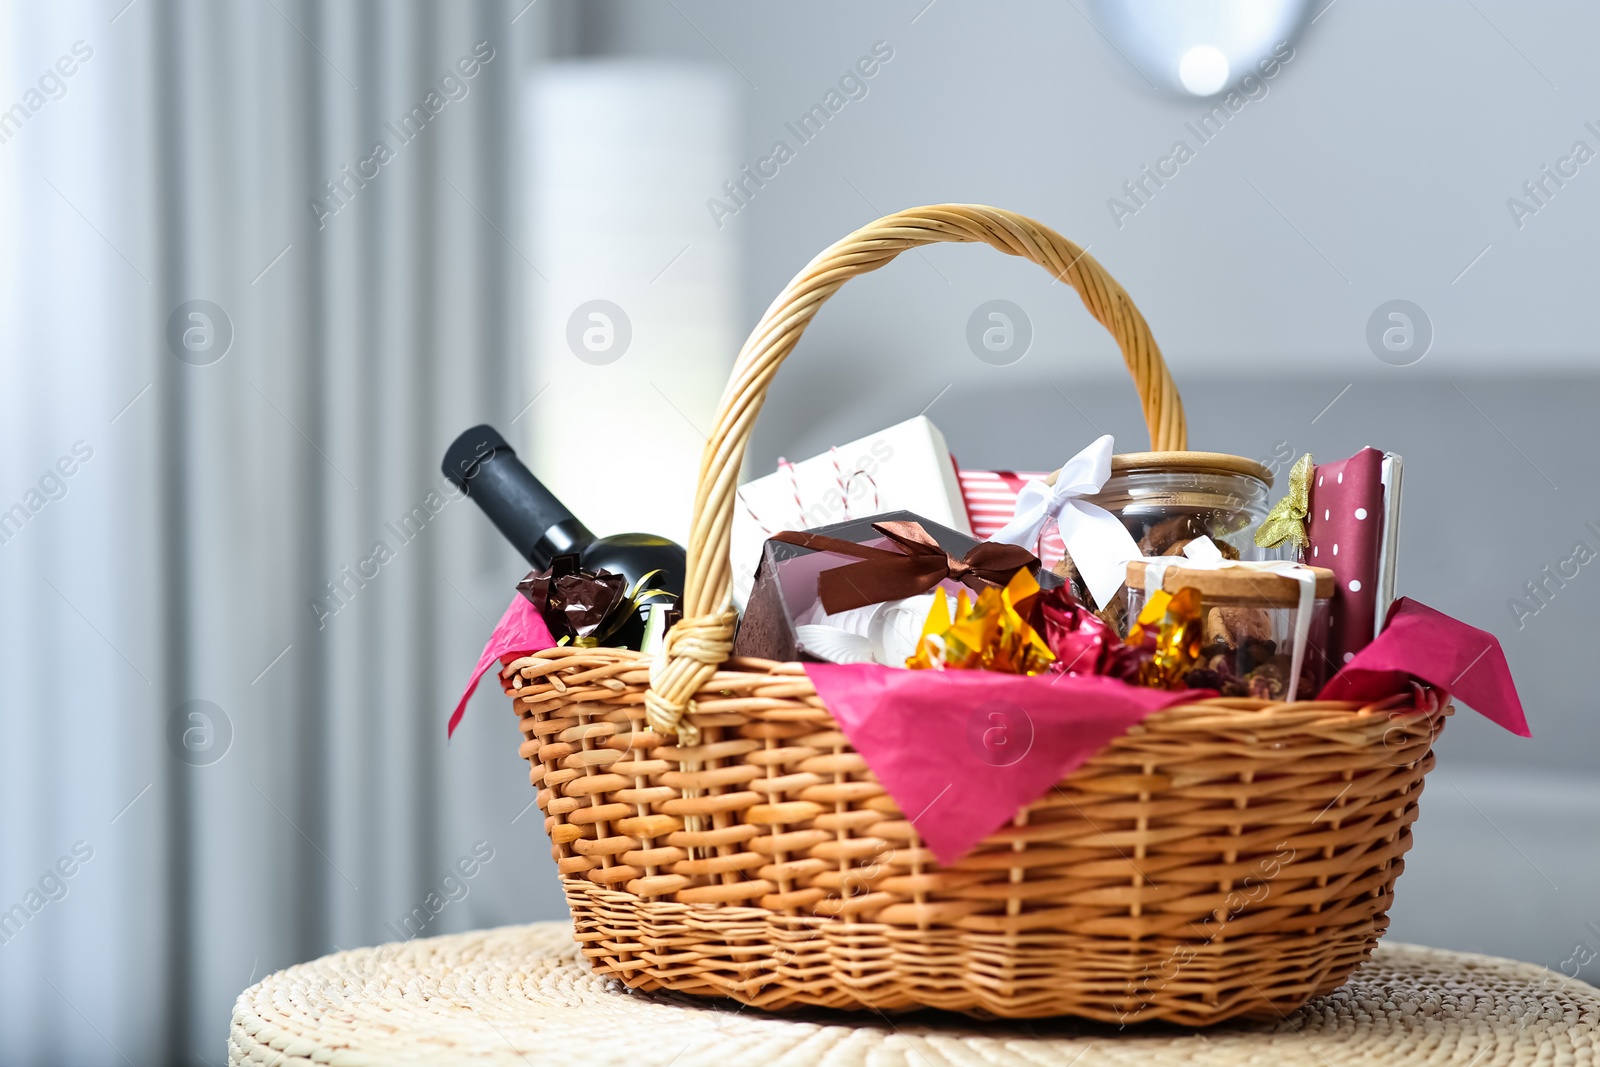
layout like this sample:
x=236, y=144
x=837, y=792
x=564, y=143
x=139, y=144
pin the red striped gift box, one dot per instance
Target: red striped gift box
x=991, y=499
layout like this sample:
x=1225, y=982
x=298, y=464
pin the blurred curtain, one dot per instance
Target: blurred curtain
x=236, y=337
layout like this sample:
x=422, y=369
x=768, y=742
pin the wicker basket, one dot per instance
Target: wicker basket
x=717, y=835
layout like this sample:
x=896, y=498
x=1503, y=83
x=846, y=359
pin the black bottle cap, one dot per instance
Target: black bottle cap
x=464, y=455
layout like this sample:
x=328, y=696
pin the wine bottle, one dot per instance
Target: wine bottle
x=540, y=527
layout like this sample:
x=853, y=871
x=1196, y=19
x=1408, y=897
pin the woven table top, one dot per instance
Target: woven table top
x=521, y=995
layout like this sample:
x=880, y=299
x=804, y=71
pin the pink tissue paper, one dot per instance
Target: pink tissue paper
x=520, y=632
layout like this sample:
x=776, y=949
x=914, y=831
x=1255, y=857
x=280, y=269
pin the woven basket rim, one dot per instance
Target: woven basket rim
x=1247, y=713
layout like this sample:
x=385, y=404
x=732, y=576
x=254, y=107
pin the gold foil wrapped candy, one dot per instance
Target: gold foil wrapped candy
x=990, y=632
x=1175, y=619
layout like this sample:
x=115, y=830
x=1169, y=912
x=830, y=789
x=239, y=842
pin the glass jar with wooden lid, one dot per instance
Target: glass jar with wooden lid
x=1243, y=629
x=1166, y=499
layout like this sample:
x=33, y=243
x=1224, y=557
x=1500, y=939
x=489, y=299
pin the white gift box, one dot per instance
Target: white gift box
x=906, y=466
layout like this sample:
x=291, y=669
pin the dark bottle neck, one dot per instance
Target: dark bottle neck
x=568, y=535
x=538, y=525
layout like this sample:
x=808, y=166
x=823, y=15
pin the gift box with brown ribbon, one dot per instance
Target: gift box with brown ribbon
x=809, y=581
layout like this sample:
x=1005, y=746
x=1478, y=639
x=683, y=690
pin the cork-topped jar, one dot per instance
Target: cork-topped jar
x=1242, y=626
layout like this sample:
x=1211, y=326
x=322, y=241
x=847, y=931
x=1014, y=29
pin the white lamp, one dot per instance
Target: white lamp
x=1194, y=48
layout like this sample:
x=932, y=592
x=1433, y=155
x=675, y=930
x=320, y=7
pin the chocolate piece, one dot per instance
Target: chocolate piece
x=574, y=602
x=765, y=632
x=590, y=607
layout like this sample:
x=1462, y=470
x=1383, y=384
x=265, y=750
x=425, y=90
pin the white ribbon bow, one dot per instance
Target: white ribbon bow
x=1100, y=546
x=1203, y=554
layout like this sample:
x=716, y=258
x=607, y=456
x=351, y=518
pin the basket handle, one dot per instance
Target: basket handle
x=699, y=643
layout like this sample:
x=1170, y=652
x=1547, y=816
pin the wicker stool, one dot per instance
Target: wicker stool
x=521, y=995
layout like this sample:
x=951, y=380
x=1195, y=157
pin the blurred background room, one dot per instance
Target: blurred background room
x=261, y=261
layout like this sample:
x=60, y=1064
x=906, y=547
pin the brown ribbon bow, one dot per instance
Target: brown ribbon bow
x=920, y=565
